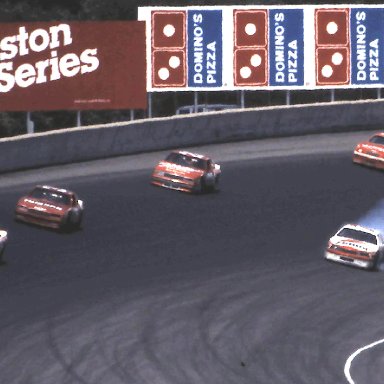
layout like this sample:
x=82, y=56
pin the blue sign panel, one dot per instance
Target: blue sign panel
x=205, y=48
x=367, y=47
x=286, y=47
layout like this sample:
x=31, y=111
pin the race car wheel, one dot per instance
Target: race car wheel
x=202, y=185
x=72, y=220
x=210, y=183
x=375, y=267
x=216, y=185
x=1, y=253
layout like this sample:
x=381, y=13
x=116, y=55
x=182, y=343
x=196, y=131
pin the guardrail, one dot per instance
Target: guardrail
x=102, y=141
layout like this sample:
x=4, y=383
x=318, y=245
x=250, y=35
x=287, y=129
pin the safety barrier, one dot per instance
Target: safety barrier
x=102, y=141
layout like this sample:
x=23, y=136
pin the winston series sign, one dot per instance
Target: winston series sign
x=72, y=65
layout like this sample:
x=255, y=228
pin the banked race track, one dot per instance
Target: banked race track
x=162, y=287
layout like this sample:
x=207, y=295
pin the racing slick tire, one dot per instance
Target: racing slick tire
x=2, y=249
x=72, y=220
x=376, y=264
x=209, y=183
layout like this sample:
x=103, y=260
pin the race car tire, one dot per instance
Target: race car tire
x=209, y=186
x=80, y=220
x=75, y=218
x=203, y=185
x=216, y=186
x=376, y=265
x=72, y=220
x=2, y=253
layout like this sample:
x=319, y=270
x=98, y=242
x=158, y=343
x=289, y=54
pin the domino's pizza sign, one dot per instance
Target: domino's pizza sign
x=186, y=48
x=268, y=47
x=250, y=48
x=332, y=46
x=168, y=49
x=286, y=47
x=367, y=36
x=264, y=47
x=204, y=48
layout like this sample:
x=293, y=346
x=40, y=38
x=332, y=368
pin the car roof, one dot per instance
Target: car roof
x=358, y=227
x=381, y=134
x=191, y=154
x=55, y=189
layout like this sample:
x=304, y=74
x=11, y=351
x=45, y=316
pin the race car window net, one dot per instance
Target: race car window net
x=55, y=197
x=377, y=140
x=186, y=161
x=358, y=235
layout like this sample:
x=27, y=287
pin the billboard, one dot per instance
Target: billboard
x=72, y=66
x=367, y=46
x=264, y=47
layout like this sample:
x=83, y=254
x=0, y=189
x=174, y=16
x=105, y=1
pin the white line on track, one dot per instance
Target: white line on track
x=348, y=363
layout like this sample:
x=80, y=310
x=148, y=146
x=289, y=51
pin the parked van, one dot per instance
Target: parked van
x=187, y=109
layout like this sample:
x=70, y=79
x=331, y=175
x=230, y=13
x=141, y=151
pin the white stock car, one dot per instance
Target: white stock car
x=3, y=242
x=357, y=246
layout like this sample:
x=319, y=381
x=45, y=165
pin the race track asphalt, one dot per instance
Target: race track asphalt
x=162, y=287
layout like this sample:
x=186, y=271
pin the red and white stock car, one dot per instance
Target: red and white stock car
x=50, y=207
x=187, y=172
x=356, y=245
x=370, y=152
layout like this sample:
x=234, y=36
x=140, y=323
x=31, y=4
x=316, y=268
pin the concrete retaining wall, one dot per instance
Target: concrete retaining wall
x=95, y=142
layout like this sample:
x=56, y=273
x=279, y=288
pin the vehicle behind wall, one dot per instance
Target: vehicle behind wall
x=198, y=108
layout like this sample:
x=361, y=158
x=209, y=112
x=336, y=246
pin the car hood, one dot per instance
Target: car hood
x=369, y=147
x=354, y=245
x=42, y=205
x=179, y=170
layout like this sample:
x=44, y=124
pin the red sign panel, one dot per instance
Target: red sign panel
x=332, y=46
x=72, y=66
x=169, y=49
x=250, y=47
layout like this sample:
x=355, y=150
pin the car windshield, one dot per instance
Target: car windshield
x=377, y=140
x=358, y=235
x=187, y=161
x=53, y=196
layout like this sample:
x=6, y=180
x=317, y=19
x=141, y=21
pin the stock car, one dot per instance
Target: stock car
x=370, y=152
x=187, y=172
x=357, y=246
x=50, y=207
x=3, y=242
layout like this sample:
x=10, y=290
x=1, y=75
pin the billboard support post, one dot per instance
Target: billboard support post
x=195, y=101
x=332, y=95
x=288, y=98
x=78, y=119
x=379, y=93
x=149, y=104
x=242, y=99
x=30, y=124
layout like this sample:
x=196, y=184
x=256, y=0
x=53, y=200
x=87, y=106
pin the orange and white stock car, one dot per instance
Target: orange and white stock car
x=357, y=246
x=50, y=207
x=370, y=152
x=187, y=172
